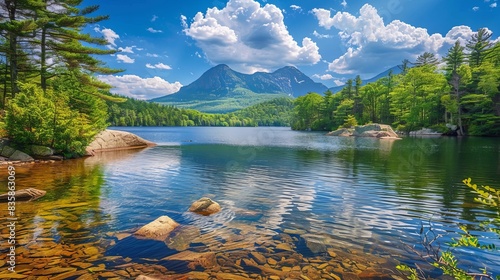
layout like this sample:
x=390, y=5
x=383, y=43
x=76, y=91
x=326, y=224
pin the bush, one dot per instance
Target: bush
x=47, y=119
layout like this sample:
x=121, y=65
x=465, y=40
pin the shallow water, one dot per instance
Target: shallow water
x=304, y=203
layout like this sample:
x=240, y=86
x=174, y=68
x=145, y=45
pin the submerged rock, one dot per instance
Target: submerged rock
x=205, y=206
x=24, y=195
x=158, y=229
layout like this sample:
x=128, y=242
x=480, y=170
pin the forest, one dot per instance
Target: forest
x=141, y=113
x=50, y=94
x=458, y=95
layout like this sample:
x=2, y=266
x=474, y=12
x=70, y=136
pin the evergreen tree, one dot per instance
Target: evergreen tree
x=426, y=58
x=478, y=46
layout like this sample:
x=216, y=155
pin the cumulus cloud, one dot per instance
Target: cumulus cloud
x=249, y=37
x=475, y=9
x=158, y=66
x=109, y=35
x=493, y=5
x=372, y=46
x=150, y=29
x=124, y=58
x=344, y=3
x=323, y=77
x=321, y=36
x=296, y=8
x=140, y=88
x=127, y=49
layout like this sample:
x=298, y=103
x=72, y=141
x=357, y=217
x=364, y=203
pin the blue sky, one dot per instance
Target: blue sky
x=164, y=45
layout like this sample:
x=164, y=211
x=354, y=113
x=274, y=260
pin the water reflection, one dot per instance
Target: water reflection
x=301, y=203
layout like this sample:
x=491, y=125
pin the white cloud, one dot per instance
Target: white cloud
x=184, y=21
x=140, y=88
x=249, y=37
x=344, y=3
x=124, y=58
x=127, y=49
x=296, y=8
x=475, y=9
x=493, y=5
x=323, y=77
x=372, y=46
x=159, y=66
x=150, y=29
x=151, y=55
x=339, y=82
x=321, y=36
x=154, y=18
x=109, y=35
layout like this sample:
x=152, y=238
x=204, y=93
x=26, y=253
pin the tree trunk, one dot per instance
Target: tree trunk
x=43, y=61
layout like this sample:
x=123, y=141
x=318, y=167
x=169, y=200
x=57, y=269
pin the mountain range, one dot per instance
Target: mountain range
x=221, y=89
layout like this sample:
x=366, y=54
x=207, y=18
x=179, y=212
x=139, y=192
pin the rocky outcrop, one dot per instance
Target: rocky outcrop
x=158, y=229
x=381, y=131
x=24, y=195
x=7, y=153
x=110, y=140
x=205, y=206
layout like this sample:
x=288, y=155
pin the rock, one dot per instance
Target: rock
x=21, y=156
x=180, y=238
x=24, y=195
x=258, y=257
x=110, y=140
x=205, y=206
x=158, y=229
x=375, y=130
x=345, y=132
x=41, y=151
x=7, y=151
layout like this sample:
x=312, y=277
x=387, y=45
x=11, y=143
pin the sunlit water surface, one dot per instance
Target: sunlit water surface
x=317, y=205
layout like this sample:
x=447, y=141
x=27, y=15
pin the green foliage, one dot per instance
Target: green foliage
x=350, y=121
x=445, y=259
x=50, y=119
x=141, y=113
x=307, y=112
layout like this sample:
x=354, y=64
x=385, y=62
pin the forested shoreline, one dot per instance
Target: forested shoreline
x=462, y=90
x=51, y=96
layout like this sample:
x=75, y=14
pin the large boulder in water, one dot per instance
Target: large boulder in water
x=374, y=130
x=158, y=229
x=205, y=206
x=109, y=140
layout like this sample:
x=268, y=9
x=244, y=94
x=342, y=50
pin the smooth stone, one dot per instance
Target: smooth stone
x=205, y=206
x=258, y=257
x=158, y=229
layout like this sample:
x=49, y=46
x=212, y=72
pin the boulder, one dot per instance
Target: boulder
x=369, y=128
x=7, y=151
x=205, y=206
x=158, y=229
x=24, y=195
x=341, y=132
x=375, y=130
x=20, y=156
x=41, y=151
x=109, y=140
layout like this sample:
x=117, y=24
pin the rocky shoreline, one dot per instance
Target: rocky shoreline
x=107, y=140
x=375, y=130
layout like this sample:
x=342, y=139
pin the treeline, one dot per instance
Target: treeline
x=141, y=113
x=464, y=93
x=49, y=95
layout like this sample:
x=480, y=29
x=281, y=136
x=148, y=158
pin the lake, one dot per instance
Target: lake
x=293, y=204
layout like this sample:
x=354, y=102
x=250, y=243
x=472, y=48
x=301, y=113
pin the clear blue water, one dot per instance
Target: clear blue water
x=363, y=195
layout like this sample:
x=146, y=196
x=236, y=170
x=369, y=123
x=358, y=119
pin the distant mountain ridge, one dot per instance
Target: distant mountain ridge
x=221, y=89
x=222, y=81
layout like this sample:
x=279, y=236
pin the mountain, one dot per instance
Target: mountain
x=223, y=82
x=395, y=70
